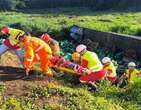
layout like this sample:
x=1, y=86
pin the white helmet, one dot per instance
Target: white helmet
x=131, y=64
x=106, y=60
x=80, y=48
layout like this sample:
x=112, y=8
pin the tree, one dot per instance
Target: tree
x=11, y=4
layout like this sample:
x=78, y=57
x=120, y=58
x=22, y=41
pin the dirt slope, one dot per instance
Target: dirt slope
x=11, y=75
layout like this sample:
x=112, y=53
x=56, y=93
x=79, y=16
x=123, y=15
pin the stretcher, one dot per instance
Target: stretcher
x=61, y=64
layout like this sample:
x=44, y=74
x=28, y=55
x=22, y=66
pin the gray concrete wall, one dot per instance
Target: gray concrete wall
x=119, y=41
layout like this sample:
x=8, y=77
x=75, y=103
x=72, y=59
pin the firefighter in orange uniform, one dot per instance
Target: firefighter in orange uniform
x=36, y=50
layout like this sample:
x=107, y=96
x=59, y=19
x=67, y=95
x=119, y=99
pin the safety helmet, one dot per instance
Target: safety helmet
x=75, y=56
x=5, y=30
x=46, y=37
x=106, y=60
x=80, y=48
x=131, y=64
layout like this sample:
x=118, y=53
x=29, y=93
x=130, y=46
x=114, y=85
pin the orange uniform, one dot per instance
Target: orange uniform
x=37, y=50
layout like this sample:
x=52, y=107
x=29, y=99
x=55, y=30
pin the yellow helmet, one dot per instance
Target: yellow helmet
x=75, y=56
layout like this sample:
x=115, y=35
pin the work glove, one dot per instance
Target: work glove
x=86, y=71
x=80, y=70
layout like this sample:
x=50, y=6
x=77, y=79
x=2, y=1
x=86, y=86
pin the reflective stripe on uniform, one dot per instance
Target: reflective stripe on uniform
x=37, y=56
x=29, y=60
x=39, y=48
x=96, y=68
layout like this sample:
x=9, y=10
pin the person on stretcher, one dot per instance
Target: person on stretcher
x=59, y=61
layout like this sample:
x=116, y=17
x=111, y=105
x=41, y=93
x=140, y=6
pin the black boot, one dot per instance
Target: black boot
x=92, y=87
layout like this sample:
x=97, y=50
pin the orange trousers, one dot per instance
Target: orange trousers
x=44, y=58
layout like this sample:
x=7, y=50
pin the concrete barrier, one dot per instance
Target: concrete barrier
x=113, y=40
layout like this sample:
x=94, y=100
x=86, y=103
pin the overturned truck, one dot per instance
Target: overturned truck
x=129, y=45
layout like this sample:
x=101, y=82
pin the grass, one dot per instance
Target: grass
x=60, y=95
x=53, y=20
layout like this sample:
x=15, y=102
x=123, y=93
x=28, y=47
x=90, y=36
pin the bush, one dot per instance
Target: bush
x=43, y=4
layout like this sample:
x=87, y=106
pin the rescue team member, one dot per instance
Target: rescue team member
x=36, y=50
x=54, y=45
x=11, y=41
x=132, y=73
x=110, y=68
x=90, y=61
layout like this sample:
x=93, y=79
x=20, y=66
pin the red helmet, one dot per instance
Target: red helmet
x=46, y=37
x=5, y=30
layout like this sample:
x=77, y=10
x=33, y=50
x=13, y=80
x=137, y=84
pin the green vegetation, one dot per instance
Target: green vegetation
x=66, y=96
x=54, y=20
